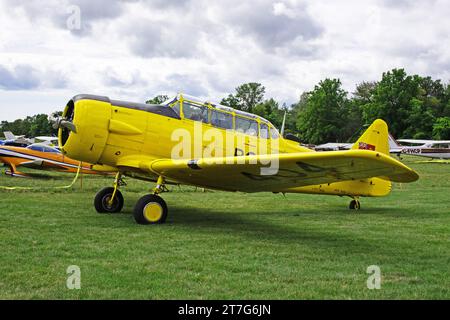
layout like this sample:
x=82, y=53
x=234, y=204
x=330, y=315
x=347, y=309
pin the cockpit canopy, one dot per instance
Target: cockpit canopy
x=43, y=148
x=219, y=116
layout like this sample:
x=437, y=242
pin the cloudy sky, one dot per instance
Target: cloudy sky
x=135, y=49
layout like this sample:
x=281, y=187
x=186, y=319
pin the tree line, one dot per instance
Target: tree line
x=31, y=126
x=414, y=107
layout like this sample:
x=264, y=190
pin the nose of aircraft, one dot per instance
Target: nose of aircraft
x=83, y=129
x=65, y=124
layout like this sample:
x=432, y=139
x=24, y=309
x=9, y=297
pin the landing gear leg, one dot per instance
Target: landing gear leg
x=354, y=204
x=12, y=171
x=152, y=209
x=110, y=199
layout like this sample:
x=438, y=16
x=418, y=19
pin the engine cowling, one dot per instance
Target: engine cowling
x=83, y=130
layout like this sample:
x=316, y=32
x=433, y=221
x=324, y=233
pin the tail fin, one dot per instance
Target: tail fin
x=9, y=135
x=374, y=138
x=393, y=143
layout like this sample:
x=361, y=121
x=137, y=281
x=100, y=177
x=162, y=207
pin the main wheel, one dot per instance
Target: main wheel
x=150, y=209
x=101, y=201
x=354, y=205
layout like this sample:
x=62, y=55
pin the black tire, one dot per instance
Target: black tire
x=102, y=198
x=141, y=207
x=354, y=205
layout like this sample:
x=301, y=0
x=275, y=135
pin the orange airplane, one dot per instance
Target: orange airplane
x=44, y=157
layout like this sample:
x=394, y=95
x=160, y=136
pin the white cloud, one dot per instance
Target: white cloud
x=135, y=49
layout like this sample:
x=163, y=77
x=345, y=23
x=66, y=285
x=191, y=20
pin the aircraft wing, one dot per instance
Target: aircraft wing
x=423, y=142
x=35, y=164
x=47, y=140
x=253, y=173
x=39, y=165
x=417, y=141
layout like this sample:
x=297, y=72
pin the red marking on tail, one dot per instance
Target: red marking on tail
x=366, y=146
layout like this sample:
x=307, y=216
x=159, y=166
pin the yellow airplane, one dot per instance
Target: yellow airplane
x=189, y=141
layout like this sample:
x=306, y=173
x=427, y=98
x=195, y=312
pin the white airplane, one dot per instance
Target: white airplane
x=12, y=140
x=51, y=141
x=333, y=146
x=435, y=149
x=20, y=141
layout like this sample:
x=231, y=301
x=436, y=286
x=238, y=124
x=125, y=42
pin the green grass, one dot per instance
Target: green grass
x=219, y=245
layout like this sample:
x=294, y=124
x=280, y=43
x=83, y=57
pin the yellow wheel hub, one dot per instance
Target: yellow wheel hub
x=153, y=212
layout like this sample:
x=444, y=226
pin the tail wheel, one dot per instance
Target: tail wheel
x=354, y=205
x=103, y=198
x=150, y=209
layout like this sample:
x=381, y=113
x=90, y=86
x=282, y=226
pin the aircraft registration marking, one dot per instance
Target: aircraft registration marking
x=412, y=151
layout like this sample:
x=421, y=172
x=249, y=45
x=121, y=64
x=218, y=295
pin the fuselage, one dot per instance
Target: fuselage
x=111, y=132
x=433, y=150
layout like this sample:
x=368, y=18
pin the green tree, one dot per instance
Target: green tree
x=157, y=99
x=441, y=128
x=31, y=126
x=446, y=102
x=364, y=92
x=409, y=103
x=354, y=123
x=270, y=110
x=247, y=97
x=419, y=121
x=39, y=125
x=18, y=127
x=393, y=99
x=294, y=112
x=231, y=101
x=325, y=113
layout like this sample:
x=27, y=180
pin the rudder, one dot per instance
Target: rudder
x=375, y=138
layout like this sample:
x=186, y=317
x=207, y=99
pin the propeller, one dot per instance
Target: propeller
x=68, y=125
x=60, y=122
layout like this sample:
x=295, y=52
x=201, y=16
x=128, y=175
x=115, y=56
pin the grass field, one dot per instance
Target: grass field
x=219, y=245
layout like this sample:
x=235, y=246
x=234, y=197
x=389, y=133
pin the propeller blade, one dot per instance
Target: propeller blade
x=68, y=125
x=63, y=123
